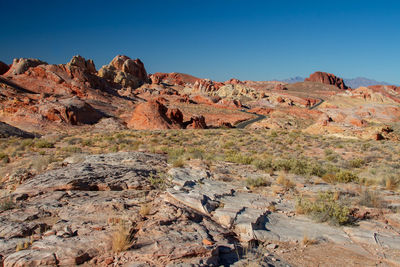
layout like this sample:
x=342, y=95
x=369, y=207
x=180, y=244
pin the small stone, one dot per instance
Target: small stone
x=207, y=242
x=272, y=246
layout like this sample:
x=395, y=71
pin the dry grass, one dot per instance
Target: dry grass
x=308, y=241
x=122, y=238
x=145, y=209
x=285, y=182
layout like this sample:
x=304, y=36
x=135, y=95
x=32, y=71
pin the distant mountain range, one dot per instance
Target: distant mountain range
x=353, y=83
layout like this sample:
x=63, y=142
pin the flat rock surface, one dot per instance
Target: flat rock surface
x=190, y=216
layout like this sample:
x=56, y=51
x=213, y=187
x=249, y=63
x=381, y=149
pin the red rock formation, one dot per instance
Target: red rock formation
x=175, y=115
x=3, y=68
x=233, y=81
x=196, y=122
x=206, y=85
x=72, y=110
x=152, y=115
x=327, y=78
x=173, y=78
x=125, y=71
x=80, y=62
x=21, y=65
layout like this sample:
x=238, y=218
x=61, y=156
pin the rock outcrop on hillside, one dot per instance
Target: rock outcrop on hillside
x=71, y=110
x=3, y=67
x=327, y=78
x=20, y=65
x=7, y=130
x=152, y=115
x=125, y=71
x=80, y=62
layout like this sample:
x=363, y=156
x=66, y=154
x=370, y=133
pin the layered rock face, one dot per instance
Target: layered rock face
x=125, y=71
x=327, y=78
x=3, y=68
x=21, y=65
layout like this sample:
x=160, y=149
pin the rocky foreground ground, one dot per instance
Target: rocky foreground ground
x=135, y=209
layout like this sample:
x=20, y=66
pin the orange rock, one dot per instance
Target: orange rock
x=152, y=115
x=327, y=78
x=207, y=242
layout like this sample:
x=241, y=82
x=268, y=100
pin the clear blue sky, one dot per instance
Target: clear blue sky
x=219, y=39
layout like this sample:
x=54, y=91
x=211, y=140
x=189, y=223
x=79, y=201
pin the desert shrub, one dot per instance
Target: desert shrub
x=356, y=163
x=263, y=164
x=178, y=163
x=238, y=158
x=285, y=182
x=391, y=182
x=4, y=157
x=300, y=166
x=257, y=182
x=196, y=153
x=6, y=204
x=43, y=144
x=87, y=142
x=371, y=199
x=341, y=176
x=72, y=149
x=122, y=238
x=325, y=208
x=158, y=180
x=346, y=177
x=175, y=153
x=282, y=165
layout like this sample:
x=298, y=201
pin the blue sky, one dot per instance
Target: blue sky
x=220, y=39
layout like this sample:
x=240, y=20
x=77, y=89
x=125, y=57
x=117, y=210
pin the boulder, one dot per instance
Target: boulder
x=152, y=115
x=196, y=122
x=3, y=68
x=125, y=71
x=80, y=62
x=71, y=110
x=327, y=78
x=21, y=65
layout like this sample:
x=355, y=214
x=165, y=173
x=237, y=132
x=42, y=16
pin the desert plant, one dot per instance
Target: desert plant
x=257, y=182
x=6, y=203
x=263, y=164
x=145, y=209
x=122, y=238
x=285, y=182
x=308, y=241
x=341, y=176
x=371, y=199
x=391, y=182
x=238, y=158
x=43, y=144
x=325, y=208
x=357, y=163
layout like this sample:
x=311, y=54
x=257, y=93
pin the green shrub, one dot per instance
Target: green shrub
x=43, y=144
x=341, y=176
x=346, y=177
x=263, y=164
x=257, y=182
x=326, y=208
x=238, y=158
x=357, y=163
